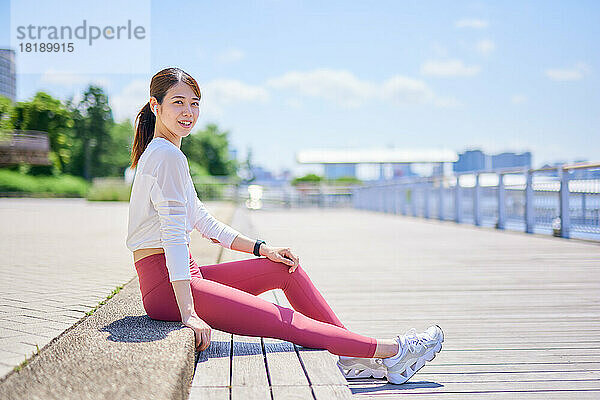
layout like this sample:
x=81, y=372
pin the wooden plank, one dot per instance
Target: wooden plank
x=321, y=367
x=250, y=392
x=485, y=368
x=295, y=392
x=248, y=365
x=283, y=364
x=511, y=389
x=339, y=389
x=209, y=393
x=391, y=392
x=509, y=376
x=327, y=392
x=213, y=366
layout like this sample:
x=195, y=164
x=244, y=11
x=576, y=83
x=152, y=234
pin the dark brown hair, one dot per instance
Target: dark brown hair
x=145, y=120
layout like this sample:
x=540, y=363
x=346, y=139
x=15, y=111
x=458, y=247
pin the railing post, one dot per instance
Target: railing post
x=565, y=221
x=386, y=197
x=529, y=216
x=457, y=208
x=398, y=197
x=501, y=200
x=375, y=194
x=426, y=198
x=404, y=201
x=441, y=199
x=389, y=193
x=477, y=201
x=583, y=211
x=413, y=202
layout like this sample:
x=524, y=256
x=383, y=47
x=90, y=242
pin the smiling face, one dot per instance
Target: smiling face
x=178, y=112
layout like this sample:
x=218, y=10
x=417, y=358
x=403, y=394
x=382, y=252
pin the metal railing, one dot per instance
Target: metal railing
x=560, y=199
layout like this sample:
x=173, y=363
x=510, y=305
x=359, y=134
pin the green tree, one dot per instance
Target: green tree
x=312, y=178
x=46, y=114
x=245, y=170
x=118, y=158
x=93, y=122
x=210, y=149
x=6, y=108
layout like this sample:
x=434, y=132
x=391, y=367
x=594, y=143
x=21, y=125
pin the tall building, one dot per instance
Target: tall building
x=477, y=160
x=8, y=75
x=507, y=160
x=470, y=160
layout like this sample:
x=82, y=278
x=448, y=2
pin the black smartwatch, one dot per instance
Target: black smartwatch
x=257, y=247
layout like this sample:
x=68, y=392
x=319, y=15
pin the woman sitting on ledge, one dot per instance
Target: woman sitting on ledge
x=164, y=208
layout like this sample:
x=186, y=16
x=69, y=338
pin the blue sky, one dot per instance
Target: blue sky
x=284, y=76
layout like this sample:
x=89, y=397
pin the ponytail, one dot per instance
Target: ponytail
x=144, y=132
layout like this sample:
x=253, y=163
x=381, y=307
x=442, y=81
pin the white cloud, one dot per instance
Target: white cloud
x=344, y=88
x=230, y=56
x=485, y=46
x=451, y=67
x=71, y=79
x=130, y=100
x=577, y=72
x=471, y=23
x=229, y=91
x=518, y=99
x=219, y=93
x=338, y=86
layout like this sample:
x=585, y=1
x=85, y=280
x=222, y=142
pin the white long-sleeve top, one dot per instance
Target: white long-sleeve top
x=164, y=208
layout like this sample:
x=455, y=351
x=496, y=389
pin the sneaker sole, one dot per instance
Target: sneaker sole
x=397, y=377
x=358, y=371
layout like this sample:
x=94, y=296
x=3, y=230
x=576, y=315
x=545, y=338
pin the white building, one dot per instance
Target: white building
x=388, y=163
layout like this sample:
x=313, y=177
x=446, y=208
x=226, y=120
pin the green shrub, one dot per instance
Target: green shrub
x=109, y=189
x=42, y=186
x=209, y=190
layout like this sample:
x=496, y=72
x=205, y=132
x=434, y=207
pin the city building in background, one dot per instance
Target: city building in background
x=506, y=160
x=338, y=163
x=8, y=75
x=477, y=160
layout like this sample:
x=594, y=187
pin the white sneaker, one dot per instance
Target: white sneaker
x=358, y=367
x=414, y=350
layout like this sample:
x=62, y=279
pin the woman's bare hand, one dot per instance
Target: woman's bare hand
x=201, y=331
x=283, y=255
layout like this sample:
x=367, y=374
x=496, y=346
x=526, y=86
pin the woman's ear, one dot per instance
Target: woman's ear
x=154, y=106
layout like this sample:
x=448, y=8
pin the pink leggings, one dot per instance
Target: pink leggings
x=225, y=297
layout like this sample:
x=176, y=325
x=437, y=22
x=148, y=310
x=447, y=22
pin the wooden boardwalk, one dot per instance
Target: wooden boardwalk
x=520, y=312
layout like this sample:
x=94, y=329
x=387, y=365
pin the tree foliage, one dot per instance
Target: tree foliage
x=210, y=149
x=46, y=114
x=85, y=140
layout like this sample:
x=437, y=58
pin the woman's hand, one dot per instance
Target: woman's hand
x=281, y=254
x=201, y=331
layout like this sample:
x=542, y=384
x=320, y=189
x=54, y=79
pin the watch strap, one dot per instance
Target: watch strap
x=257, y=247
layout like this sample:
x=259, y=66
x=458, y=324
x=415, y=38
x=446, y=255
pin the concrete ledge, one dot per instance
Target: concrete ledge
x=116, y=353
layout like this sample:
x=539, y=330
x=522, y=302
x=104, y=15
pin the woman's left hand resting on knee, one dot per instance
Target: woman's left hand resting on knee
x=281, y=254
x=278, y=254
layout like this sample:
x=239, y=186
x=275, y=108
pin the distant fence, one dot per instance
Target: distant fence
x=31, y=147
x=562, y=200
x=522, y=199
